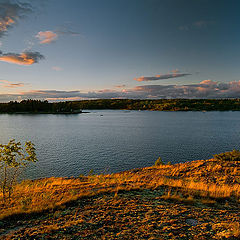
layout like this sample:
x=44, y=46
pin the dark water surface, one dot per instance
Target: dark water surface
x=114, y=140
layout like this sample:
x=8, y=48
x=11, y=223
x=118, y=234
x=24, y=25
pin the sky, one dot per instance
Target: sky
x=143, y=49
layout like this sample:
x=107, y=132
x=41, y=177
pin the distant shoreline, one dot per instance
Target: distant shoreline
x=58, y=113
x=75, y=107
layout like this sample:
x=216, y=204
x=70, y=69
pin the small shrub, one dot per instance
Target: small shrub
x=159, y=162
x=234, y=155
x=13, y=159
x=90, y=173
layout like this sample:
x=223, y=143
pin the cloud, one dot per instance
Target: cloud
x=46, y=37
x=175, y=74
x=201, y=24
x=204, y=89
x=56, y=68
x=120, y=86
x=10, y=13
x=14, y=85
x=25, y=58
x=67, y=32
x=175, y=71
x=196, y=25
x=8, y=84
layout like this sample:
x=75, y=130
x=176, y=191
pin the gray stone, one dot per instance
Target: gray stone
x=192, y=222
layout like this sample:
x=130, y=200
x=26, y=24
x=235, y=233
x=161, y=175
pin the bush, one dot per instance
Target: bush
x=234, y=155
x=13, y=158
x=159, y=162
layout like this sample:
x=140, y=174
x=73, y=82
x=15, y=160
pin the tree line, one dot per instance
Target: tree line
x=38, y=106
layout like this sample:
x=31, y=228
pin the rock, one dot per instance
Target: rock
x=192, y=222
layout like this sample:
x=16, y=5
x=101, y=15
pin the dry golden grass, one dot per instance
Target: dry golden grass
x=227, y=230
x=202, y=178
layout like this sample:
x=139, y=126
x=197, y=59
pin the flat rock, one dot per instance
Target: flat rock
x=192, y=222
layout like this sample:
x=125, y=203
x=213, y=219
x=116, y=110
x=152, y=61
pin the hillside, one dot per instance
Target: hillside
x=192, y=200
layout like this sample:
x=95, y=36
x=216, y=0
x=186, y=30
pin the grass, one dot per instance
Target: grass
x=203, y=178
x=192, y=200
x=162, y=200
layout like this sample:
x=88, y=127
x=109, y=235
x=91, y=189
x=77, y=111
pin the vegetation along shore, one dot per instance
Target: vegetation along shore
x=37, y=106
x=192, y=200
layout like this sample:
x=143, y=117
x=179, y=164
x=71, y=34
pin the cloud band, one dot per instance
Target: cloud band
x=204, y=89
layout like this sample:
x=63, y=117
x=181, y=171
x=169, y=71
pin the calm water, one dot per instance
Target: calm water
x=69, y=145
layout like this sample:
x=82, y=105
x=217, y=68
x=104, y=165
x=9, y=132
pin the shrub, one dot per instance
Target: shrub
x=13, y=158
x=234, y=155
x=159, y=162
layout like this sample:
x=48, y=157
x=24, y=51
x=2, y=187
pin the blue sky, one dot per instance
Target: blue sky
x=84, y=49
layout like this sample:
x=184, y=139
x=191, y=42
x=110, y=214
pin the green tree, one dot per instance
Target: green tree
x=14, y=158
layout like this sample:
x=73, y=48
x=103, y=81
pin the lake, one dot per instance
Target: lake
x=117, y=140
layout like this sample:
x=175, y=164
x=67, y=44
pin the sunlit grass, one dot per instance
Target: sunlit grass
x=203, y=178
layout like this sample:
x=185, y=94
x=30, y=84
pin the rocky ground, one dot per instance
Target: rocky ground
x=192, y=200
x=147, y=214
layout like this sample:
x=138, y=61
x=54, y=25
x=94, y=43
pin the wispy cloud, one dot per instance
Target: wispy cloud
x=120, y=86
x=10, y=13
x=47, y=37
x=8, y=84
x=196, y=25
x=204, y=89
x=67, y=32
x=174, y=74
x=56, y=68
x=201, y=24
x=25, y=58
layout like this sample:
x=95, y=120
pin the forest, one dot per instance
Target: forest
x=38, y=106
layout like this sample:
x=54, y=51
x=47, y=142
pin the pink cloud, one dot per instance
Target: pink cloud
x=47, y=37
x=8, y=84
x=201, y=90
x=56, y=68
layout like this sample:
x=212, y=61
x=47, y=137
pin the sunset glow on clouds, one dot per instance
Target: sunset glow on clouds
x=10, y=13
x=97, y=56
x=204, y=89
x=8, y=84
x=47, y=37
x=25, y=58
x=5, y=23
